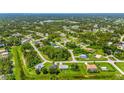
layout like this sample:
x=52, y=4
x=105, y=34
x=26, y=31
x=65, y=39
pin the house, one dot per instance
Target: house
x=110, y=43
x=46, y=34
x=25, y=40
x=62, y=34
x=17, y=34
x=91, y=67
x=89, y=49
x=75, y=27
x=120, y=45
x=104, y=68
x=2, y=77
x=37, y=42
x=54, y=45
x=83, y=56
x=61, y=66
x=39, y=66
x=2, y=45
x=98, y=56
x=3, y=52
x=53, y=66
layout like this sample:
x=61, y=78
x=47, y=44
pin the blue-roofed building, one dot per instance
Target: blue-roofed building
x=83, y=56
x=39, y=66
x=2, y=45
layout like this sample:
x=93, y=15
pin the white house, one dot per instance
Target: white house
x=98, y=56
x=61, y=66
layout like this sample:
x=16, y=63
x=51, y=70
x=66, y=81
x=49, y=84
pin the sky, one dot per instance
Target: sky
x=61, y=6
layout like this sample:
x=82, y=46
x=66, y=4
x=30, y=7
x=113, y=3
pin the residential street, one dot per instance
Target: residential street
x=121, y=39
x=38, y=52
x=117, y=68
x=72, y=55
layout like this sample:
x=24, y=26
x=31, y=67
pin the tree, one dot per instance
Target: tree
x=45, y=71
x=37, y=71
x=54, y=71
x=75, y=67
x=56, y=53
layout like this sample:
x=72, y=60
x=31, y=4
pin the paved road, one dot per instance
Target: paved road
x=121, y=39
x=72, y=55
x=23, y=59
x=117, y=68
x=71, y=51
x=115, y=58
x=38, y=52
x=78, y=61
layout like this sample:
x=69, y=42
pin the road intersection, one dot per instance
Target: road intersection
x=75, y=61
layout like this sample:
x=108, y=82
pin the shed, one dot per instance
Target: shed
x=104, y=68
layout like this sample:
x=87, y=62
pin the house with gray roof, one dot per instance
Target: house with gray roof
x=39, y=66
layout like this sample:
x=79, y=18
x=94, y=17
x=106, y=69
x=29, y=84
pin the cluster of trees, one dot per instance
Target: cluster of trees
x=119, y=54
x=71, y=45
x=109, y=49
x=78, y=50
x=75, y=67
x=30, y=55
x=56, y=53
x=13, y=41
x=51, y=70
x=6, y=66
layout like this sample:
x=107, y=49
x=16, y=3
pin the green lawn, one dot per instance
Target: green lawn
x=91, y=59
x=120, y=65
x=112, y=58
x=109, y=66
x=91, y=56
x=71, y=72
x=18, y=71
x=83, y=74
x=45, y=56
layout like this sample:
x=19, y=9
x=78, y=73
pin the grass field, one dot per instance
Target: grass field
x=71, y=72
x=18, y=71
x=91, y=59
x=109, y=66
x=120, y=65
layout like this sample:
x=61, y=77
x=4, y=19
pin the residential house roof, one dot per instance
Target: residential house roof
x=98, y=56
x=91, y=66
x=1, y=45
x=83, y=56
x=63, y=66
x=104, y=68
x=53, y=66
x=39, y=66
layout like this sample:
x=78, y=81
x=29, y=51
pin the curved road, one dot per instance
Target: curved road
x=38, y=52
